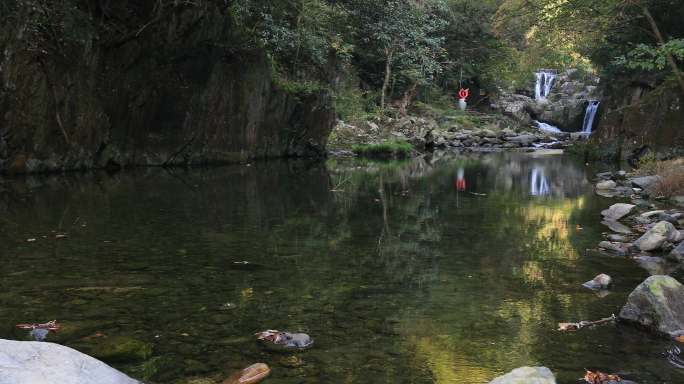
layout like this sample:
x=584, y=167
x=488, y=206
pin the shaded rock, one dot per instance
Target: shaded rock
x=47, y=363
x=617, y=238
x=523, y=139
x=657, y=303
x=527, y=375
x=655, y=237
x=677, y=254
x=645, y=182
x=607, y=184
x=617, y=227
x=650, y=214
x=601, y=281
x=618, y=211
x=679, y=200
x=669, y=218
x=619, y=248
x=604, y=175
x=655, y=265
x=121, y=349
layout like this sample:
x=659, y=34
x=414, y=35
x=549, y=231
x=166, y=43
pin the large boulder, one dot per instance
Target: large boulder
x=618, y=211
x=527, y=375
x=30, y=362
x=657, y=236
x=657, y=303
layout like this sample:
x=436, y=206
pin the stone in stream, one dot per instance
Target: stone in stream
x=607, y=184
x=617, y=238
x=617, y=227
x=619, y=248
x=527, y=375
x=655, y=237
x=250, y=375
x=657, y=303
x=28, y=362
x=645, y=182
x=650, y=214
x=617, y=211
x=601, y=281
x=285, y=340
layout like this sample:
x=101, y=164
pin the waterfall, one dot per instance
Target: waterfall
x=538, y=184
x=589, y=116
x=542, y=87
x=547, y=127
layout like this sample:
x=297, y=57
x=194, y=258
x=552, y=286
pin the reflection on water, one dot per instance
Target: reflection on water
x=434, y=270
x=538, y=184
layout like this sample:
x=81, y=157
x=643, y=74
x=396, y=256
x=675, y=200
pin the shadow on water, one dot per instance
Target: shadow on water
x=433, y=270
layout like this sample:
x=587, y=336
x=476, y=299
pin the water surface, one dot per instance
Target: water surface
x=436, y=270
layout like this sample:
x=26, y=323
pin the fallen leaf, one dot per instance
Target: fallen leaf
x=600, y=377
x=568, y=327
x=31, y=240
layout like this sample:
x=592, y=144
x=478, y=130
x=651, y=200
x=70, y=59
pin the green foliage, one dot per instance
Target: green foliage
x=387, y=149
x=401, y=36
x=649, y=58
x=352, y=104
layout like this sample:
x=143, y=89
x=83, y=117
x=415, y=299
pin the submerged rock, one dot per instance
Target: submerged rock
x=655, y=265
x=618, y=211
x=121, y=349
x=617, y=227
x=527, y=375
x=250, y=375
x=601, y=281
x=657, y=303
x=657, y=236
x=28, y=362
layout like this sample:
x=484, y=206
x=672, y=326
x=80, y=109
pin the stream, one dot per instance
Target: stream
x=447, y=269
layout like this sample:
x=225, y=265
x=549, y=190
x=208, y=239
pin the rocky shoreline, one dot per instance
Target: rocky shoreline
x=449, y=133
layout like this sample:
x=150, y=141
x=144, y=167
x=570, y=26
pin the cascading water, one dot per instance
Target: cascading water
x=542, y=87
x=539, y=186
x=589, y=116
x=547, y=127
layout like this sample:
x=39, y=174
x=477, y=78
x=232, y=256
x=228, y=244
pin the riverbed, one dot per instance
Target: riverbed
x=439, y=269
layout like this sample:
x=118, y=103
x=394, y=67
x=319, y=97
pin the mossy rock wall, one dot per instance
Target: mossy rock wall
x=177, y=86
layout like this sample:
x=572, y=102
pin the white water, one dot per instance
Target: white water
x=547, y=127
x=538, y=184
x=589, y=116
x=542, y=87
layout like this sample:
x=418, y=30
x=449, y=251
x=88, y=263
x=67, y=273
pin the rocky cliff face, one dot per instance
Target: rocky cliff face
x=139, y=85
x=639, y=115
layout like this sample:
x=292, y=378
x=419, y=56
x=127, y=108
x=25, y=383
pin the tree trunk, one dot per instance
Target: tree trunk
x=661, y=42
x=388, y=73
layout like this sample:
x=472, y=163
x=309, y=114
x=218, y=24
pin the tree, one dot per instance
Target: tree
x=401, y=34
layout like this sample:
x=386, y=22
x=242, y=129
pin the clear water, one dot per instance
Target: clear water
x=440, y=270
